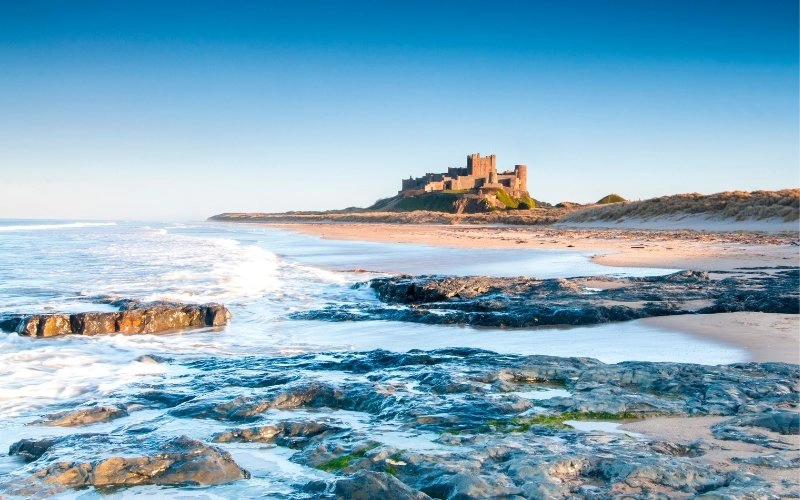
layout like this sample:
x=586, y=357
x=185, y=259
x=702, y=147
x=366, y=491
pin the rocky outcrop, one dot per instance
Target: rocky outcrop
x=179, y=461
x=288, y=434
x=84, y=416
x=526, y=302
x=133, y=317
x=451, y=423
x=367, y=485
x=31, y=449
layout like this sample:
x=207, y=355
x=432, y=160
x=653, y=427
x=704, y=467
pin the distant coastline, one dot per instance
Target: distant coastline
x=757, y=211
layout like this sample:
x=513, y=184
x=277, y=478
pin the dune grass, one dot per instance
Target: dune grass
x=730, y=205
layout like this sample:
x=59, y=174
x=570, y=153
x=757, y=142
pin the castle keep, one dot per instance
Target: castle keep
x=480, y=173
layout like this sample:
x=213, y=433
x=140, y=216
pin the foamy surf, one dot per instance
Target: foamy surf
x=263, y=275
x=45, y=227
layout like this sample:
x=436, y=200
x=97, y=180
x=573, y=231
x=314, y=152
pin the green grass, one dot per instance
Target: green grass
x=506, y=199
x=344, y=461
x=611, y=198
x=526, y=203
x=435, y=202
x=523, y=424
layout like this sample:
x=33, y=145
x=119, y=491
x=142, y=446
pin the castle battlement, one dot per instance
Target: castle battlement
x=479, y=174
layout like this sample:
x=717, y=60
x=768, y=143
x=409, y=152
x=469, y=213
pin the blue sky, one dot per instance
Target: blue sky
x=179, y=110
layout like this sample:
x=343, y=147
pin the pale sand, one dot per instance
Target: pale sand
x=684, y=430
x=766, y=337
x=624, y=248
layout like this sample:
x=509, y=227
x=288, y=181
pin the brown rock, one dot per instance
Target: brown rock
x=133, y=317
x=94, y=323
x=160, y=319
x=130, y=321
x=69, y=474
x=84, y=416
x=195, y=316
x=51, y=325
x=29, y=326
x=217, y=315
x=181, y=461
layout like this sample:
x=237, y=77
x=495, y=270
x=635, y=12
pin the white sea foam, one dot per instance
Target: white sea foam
x=44, y=227
x=38, y=372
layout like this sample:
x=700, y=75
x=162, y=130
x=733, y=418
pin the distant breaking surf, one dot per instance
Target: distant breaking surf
x=43, y=227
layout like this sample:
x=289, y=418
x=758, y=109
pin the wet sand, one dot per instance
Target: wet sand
x=766, y=337
x=611, y=247
x=685, y=430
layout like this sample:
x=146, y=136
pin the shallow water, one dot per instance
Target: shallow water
x=263, y=275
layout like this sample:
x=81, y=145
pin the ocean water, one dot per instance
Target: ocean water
x=263, y=275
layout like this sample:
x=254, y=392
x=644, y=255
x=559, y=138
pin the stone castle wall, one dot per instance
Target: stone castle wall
x=480, y=173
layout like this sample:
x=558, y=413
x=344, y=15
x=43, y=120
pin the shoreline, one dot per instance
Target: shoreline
x=684, y=249
x=766, y=337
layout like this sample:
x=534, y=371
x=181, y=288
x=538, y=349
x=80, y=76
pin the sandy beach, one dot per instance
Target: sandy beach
x=767, y=337
x=680, y=249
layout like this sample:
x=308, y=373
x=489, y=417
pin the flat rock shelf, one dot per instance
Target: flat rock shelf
x=528, y=302
x=132, y=317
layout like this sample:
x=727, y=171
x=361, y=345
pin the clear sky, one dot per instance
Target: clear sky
x=180, y=110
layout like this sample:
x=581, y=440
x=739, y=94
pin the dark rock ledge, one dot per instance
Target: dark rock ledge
x=526, y=302
x=133, y=317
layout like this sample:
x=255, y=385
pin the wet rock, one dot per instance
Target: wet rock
x=472, y=419
x=290, y=434
x=693, y=449
x=133, y=317
x=180, y=461
x=84, y=416
x=780, y=421
x=524, y=302
x=94, y=323
x=31, y=449
x=353, y=397
x=369, y=485
x=53, y=325
x=784, y=460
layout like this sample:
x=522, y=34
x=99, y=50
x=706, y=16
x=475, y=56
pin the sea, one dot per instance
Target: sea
x=264, y=275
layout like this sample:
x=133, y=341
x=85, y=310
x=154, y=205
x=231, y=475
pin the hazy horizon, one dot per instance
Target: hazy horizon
x=177, y=111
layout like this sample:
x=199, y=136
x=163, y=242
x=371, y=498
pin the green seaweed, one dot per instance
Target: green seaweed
x=344, y=461
x=523, y=424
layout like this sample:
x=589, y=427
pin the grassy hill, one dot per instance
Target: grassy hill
x=454, y=202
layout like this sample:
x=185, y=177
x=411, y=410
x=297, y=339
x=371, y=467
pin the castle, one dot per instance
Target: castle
x=480, y=173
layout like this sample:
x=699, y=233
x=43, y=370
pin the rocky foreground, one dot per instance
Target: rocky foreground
x=133, y=316
x=526, y=302
x=466, y=424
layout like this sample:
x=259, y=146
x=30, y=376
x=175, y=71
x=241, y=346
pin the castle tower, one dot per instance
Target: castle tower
x=521, y=172
x=480, y=167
